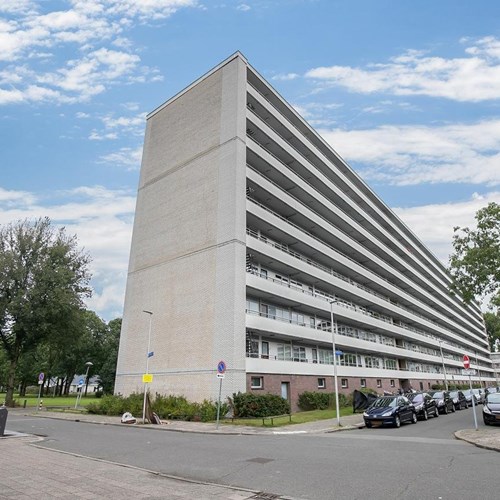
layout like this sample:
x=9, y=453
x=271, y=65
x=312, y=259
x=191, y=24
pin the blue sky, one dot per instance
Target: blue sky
x=408, y=93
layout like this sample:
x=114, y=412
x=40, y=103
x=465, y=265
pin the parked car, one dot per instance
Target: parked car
x=469, y=395
x=490, y=390
x=459, y=400
x=443, y=401
x=390, y=410
x=424, y=404
x=491, y=409
x=479, y=395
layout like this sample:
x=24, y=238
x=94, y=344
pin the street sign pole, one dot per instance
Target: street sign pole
x=221, y=370
x=218, y=403
x=473, y=402
x=40, y=383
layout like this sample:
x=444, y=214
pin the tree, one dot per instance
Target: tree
x=107, y=372
x=44, y=278
x=492, y=323
x=475, y=263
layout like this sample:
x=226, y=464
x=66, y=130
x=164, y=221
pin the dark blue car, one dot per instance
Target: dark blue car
x=390, y=410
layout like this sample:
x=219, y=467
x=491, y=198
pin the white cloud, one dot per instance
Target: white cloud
x=243, y=7
x=125, y=157
x=404, y=155
x=472, y=78
x=286, y=77
x=445, y=216
x=97, y=136
x=102, y=220
x=85, y=32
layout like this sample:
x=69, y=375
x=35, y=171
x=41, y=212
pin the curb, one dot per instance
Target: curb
x=471, y=441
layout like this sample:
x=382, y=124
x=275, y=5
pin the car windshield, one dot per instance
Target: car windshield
x=384, y=402
x=476, y=391
x=467, y=392
x=438, y=395
x=494, y=398
x=417, y=398
x=453, y=394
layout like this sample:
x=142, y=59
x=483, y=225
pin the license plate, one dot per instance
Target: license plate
x=497, y=417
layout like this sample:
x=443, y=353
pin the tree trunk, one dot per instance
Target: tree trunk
x=22, y=389
x=11, y=377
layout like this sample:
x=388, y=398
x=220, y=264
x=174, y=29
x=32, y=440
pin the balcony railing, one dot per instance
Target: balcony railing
x=330, y=271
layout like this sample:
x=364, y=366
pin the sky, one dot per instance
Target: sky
x=408, y=93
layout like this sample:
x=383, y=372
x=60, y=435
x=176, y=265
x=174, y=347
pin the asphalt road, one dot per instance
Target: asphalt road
x=421, y=461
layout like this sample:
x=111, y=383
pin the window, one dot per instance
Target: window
x=252, y=346
x=321, y=383
x=379, y=382
x=325, y=357
x=371, y=362
x=363, y=382
x=392, y=383
x=284, y=352
x=421, y=386
x=344, y=383
x=265, y=350
x=299, y=354
x=390, y=364
x=315, y=355
x=350, y=360
x=257, y=383
x=252, y=306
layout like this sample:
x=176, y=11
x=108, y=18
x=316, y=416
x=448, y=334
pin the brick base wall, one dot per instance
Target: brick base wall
x=298, y=384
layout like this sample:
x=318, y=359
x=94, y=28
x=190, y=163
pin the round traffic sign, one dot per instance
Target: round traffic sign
x=466, y=362
x=221, y=367
x=41, y=376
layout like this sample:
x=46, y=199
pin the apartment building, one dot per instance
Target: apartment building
x=251, y=236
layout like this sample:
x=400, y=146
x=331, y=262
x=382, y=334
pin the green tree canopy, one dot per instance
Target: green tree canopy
x=475, y=263
x=44, y=278
x=492, y=323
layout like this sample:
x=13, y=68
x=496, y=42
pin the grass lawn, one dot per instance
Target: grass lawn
x=301, y=417
x=32, y=400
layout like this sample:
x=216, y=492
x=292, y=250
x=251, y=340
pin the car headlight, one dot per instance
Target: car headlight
x=418, y=407
x=365, y=414
x=486, y=410
x=440, y=402
x=387, y=413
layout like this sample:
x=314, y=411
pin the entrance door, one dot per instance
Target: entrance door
x=285, y=390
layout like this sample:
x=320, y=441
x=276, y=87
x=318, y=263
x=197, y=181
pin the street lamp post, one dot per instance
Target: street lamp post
x=88, y=364
x=478, y=372
x=147, y=366
x=337, y=409
x=442, y=361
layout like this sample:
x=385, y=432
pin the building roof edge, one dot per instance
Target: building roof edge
x=233, y=56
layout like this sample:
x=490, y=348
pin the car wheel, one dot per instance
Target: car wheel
x=453, y=409
x=466, y=405
x=413, y=418
x=445, y=411
x=397, y=421
x=425, y=415
x=485, y=422
x=436, y=412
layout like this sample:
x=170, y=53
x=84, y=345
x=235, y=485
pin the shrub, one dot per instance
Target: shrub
x=259, y=405
x=322, y=400
x=116, y=405
x=164, y=406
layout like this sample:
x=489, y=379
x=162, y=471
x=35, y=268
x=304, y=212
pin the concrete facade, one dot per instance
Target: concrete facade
x=250, y=235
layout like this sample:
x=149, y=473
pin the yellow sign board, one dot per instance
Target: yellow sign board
x=147, y=378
